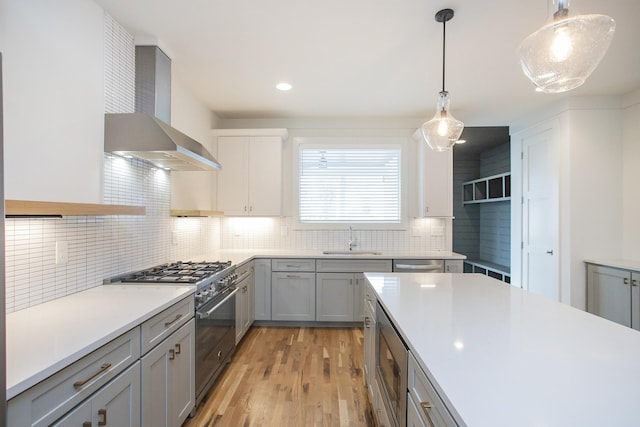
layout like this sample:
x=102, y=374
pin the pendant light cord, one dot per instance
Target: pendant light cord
x=444, y=31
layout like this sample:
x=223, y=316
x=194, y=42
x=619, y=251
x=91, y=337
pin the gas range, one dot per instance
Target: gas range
x=210, y=278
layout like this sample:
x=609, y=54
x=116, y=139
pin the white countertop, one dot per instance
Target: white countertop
x=501, y=356
x=626, y=264
x=239, y=256
x=43, y=339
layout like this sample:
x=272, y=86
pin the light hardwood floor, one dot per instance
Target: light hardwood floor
x=290, y=377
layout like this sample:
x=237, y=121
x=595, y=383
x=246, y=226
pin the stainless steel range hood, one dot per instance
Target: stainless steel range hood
x=146, y=134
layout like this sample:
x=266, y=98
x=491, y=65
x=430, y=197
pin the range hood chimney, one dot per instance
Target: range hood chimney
x=147, y=133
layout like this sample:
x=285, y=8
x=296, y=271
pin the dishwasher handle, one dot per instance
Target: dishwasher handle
x=418, y=267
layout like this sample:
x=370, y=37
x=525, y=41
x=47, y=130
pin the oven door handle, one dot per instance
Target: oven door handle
x=200, y=315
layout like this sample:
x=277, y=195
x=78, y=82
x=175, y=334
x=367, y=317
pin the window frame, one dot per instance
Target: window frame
x=358, y=143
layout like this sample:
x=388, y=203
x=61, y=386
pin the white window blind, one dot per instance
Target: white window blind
x=349, y=185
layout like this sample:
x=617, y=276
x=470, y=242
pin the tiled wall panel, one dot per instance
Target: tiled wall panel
x=424, y=234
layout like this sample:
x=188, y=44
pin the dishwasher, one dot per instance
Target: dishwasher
x=418, y=265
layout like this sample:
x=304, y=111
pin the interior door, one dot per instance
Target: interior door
x=540, y=165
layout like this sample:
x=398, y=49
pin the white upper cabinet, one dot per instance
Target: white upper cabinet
x=435, y=180
x=250, y=182
x=53, y=74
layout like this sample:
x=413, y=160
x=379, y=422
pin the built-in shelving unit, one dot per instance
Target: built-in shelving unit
x=29, y=208
x=495, y=188
x=500, y=272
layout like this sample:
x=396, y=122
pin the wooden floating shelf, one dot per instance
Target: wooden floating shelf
x=195, y=213
x=28, y=208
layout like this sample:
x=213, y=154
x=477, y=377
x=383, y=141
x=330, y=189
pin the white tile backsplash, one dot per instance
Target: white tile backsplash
x=101, y=247
x=281, y=233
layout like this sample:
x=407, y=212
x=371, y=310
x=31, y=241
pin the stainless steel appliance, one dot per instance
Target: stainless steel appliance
x=215, y=311
x=391, y=368
x=147, y=133
x=418, y=265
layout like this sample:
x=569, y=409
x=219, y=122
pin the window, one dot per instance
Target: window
x=349, y=183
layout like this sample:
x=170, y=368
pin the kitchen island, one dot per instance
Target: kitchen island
x=500, y=356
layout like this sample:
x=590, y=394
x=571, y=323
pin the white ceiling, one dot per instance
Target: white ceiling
x=367, y=58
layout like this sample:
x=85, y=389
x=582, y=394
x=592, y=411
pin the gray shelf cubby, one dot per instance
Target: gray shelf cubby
x=495, y=188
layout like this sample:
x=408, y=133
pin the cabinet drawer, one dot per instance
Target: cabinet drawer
x=50, y=399
x=353, y=265
x=369, y=296
x=428, y=403
x=293, y=264
x=160, y=326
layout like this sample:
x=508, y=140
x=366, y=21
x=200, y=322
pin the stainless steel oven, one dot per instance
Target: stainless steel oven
x=215, y=311
x=215, y=338
x=391, y=368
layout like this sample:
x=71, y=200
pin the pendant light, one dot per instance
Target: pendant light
x=443, y=130
x=561, y=55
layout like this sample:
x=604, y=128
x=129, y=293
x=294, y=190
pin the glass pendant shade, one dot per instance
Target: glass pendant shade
x=561, y=55
x=443, y=130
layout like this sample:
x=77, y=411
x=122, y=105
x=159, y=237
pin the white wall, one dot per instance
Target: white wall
x=590, y=141
x=53, y=99
x=595, y=194
x=192, y=190
x=631, y=177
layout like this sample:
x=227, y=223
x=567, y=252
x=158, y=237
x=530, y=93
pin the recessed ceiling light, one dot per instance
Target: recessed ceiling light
x=283, y=86
x=461, y=141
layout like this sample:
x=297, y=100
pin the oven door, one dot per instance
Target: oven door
x=215, y=338
x=391, y=368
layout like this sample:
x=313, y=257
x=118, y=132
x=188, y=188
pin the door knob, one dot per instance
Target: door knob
x=550, y=251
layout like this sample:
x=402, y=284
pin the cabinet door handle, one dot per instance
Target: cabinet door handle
x=367, y=322
x=102, y=417
x=103, y=368
x=86, y=424
x=178, y=317
x=625, y=280
x=245, y=208
x=425, y=408
x=178, y=349
x=293, y=265
x=172, y=354
x=634, y=282
x=292, y=276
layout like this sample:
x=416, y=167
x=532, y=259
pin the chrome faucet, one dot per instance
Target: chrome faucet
x=352, y=241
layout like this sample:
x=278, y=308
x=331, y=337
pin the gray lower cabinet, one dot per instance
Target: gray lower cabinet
x=293, y=289
x=168, y=379
x=339, y=297
x=100, y=379
x=245, y=302
x=369, y=341
x=430, y=409
x=414, y=418
x=262, y=288
x=453, y=266
x=340, y=287
x=293, y=296
x=116, y=404
x=614, y=294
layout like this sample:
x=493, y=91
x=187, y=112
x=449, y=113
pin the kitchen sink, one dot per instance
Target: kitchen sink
x=351, y=253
